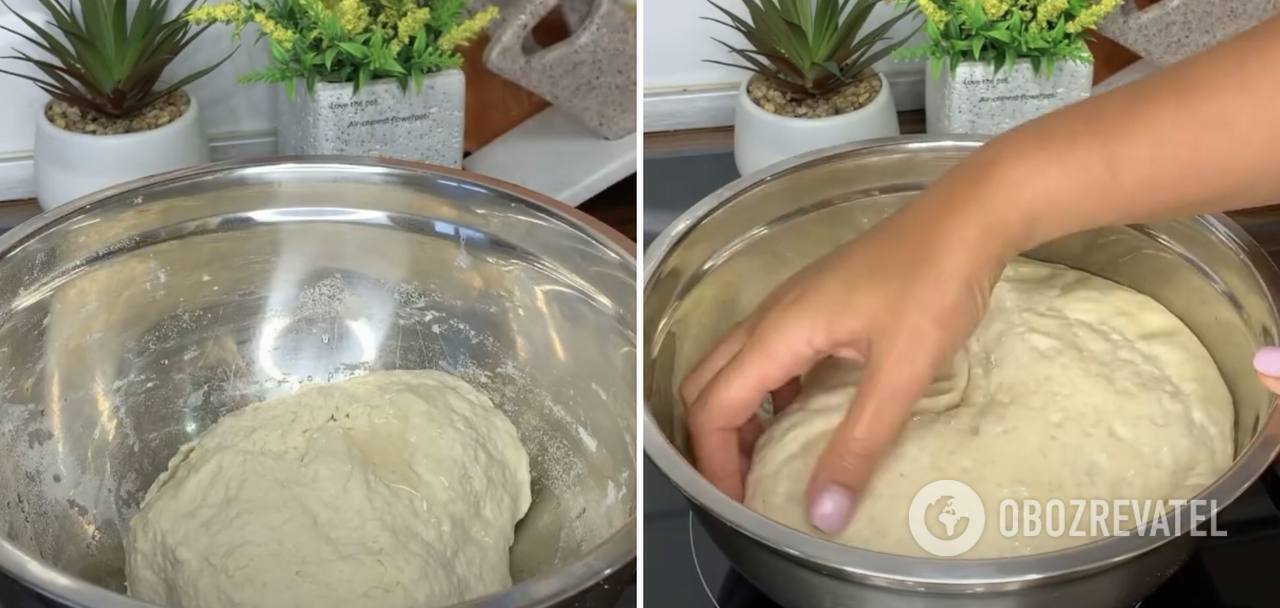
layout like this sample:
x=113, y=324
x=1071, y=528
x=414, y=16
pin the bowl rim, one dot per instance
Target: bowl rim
x=920, y=573
x=610, y=555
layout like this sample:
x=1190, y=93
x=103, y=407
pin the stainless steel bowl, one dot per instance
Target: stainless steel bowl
x=132, y=320
x=718, y=260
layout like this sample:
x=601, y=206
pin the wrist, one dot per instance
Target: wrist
x=980, y=207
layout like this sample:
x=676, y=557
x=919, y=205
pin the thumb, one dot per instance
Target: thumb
x=1267, y=363
x=892, y=382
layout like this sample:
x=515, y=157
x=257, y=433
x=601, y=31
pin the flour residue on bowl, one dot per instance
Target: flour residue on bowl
x=187, y=364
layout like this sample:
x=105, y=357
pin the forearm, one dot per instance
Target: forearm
x=1198, y=137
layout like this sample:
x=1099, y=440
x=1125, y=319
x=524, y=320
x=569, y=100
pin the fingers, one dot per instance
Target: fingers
x=711, y=364
x=895, y=377
x=785, y=395
x=1267, y=362
x=1272, y=384
x=748, y=435
x=730, y=400
x=696, y=381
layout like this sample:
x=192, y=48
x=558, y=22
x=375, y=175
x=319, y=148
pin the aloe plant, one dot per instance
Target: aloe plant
x=809, y=48
x=101, y=59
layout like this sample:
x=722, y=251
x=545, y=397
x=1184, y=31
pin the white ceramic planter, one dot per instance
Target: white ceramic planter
x=380, y=120
x=978, y=101
x=69, y=165
x=761, y=138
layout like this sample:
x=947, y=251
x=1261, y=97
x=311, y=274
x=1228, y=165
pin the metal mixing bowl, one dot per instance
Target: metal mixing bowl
x=714, y=263
x=132, y=320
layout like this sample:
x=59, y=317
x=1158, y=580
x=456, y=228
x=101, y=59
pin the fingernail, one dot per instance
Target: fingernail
x=1267, y=361
x=831, y=509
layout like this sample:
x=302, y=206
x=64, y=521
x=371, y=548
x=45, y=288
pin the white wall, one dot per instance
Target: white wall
x=234, y=115
x=683, y=91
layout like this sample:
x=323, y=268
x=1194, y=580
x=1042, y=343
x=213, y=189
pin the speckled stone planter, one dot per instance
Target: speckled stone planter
x=591, y=76
x=381, y=120
x=977, y=101
x=1171, y=30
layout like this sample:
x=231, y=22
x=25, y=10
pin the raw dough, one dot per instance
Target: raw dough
x=394, y=489
x=1071, y=387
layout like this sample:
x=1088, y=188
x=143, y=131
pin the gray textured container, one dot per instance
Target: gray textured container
x=381, y=120
x=975, y=100
x=591, y=76
x=1171, y=30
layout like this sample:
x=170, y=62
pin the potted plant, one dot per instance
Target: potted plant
x=995, y=64
x=110, y=120
x=363, y=77
x=813, y=84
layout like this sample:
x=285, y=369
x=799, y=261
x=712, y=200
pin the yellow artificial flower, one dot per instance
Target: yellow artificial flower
x=462, y=33
x=933, y=12
x=278, y=34
x=390, y=15
x=353, y=15
x=1090, y=17
x=215, y=13
x=410, y=24
x=314, y=8
x=387, y=20
x=397, y=6
x=1048, y=11
x=995, y=8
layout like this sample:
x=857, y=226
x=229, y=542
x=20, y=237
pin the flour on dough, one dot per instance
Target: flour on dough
x=394, y=489
x=1071, y=387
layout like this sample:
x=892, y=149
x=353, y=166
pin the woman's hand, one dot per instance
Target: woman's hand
x=1194, y=138
x=901, y=299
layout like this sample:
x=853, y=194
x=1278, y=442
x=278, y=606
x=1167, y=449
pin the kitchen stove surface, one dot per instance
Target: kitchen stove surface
x=616, y=591
x=684, y=568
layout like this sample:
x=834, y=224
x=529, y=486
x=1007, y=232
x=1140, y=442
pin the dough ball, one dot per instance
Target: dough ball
x=944, y=393
x=1075, y=387
x=394, y=489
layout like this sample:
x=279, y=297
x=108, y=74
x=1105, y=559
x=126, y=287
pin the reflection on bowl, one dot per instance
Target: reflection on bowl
x=132, y=321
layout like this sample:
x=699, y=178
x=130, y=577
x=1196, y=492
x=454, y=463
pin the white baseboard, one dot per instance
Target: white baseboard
x=251, y=144
x=17, y=176
x=676, y=110
x=712, y=106
x=17, y=170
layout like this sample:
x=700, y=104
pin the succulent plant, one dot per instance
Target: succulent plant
x=104, y=61
x=809, y=48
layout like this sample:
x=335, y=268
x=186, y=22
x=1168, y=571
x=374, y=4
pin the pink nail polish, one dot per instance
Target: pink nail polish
x=831, y=509
x=1267, y=361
